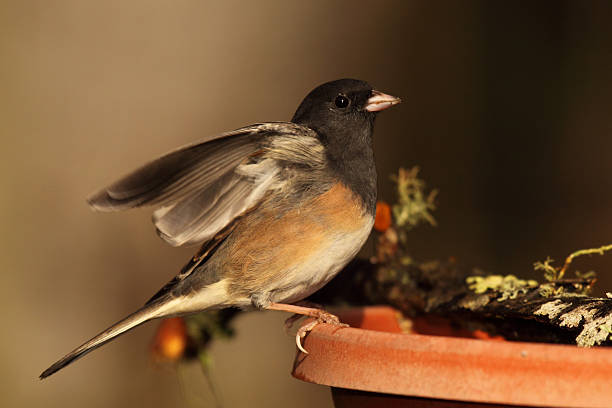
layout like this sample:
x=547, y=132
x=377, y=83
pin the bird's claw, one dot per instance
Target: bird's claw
x=301, y=333
x=323, y=317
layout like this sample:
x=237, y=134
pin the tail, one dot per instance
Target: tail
x=158, y=308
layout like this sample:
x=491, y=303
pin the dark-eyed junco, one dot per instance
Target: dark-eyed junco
x=280, y=208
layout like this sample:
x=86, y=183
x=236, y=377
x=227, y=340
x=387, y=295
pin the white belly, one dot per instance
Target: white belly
x=311, y=276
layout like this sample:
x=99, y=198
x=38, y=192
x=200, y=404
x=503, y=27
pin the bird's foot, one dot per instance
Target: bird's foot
x=324, y=317
x=303, y=304
x=319, y=315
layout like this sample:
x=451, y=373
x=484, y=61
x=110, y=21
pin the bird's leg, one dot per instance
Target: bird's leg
x=320, y=315
x=297, y=316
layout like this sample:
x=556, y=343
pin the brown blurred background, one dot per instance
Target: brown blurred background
x=507, y=109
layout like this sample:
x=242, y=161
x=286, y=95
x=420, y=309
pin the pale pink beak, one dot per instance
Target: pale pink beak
x=380, y=101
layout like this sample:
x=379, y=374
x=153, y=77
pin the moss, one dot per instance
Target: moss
x=508, y=287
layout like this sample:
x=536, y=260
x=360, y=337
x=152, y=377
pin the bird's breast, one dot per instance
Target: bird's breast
x=286, y=258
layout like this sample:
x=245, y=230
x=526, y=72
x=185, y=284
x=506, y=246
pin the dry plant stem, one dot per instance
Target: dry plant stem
x=591, y=251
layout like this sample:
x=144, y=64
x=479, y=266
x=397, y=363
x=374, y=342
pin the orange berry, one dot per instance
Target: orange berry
x=383, y=216
x=171, y=339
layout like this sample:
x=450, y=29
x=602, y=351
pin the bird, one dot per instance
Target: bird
x=279, y=208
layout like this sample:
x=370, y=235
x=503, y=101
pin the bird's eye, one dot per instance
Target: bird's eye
x=341, y=101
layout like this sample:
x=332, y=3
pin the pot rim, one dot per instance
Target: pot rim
x=452, y=368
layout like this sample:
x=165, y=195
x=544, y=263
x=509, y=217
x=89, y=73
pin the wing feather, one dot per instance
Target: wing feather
x=199, y=189
x=200, y=217
x=176, y=174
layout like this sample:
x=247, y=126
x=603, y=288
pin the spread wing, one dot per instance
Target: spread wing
x=199, y=189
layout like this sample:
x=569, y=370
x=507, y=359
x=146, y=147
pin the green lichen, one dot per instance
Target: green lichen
x=576, y=316
x=555, y=273
x=590, y=275
x=600, y=251
x=507, y=287
x=549, y=290
x=552, y=309
x=595, y=331
x=607, y=328
x=414, y=205
x=551, y=273
x=474, y=303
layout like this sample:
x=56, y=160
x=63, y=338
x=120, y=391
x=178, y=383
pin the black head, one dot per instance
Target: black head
x=342, y=113
x=342, y=107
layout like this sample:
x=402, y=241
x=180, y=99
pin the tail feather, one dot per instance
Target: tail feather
x=149, y=312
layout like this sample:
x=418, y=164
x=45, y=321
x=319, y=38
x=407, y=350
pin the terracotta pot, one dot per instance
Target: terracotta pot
x=372, y=363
